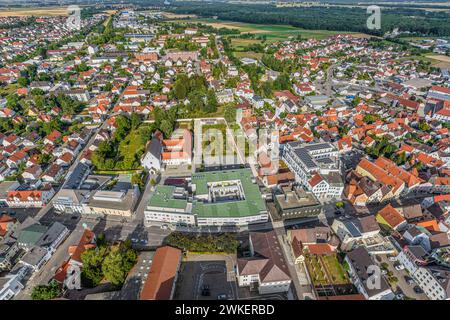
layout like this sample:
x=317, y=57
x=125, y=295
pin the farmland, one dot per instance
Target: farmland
x=271, y=31
x=39, y=11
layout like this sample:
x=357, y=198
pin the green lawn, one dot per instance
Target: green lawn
x=10, y=88
x=131, y=148
x=335, y=269
x=319, y=266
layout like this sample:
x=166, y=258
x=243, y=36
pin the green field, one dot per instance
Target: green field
x=271, y=31
x=248, y=54
x=132, y=147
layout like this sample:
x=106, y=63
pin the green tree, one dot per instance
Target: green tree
x=180, y=90
x=117, y=264
x=166, y=128
x=135, y=120
x=92, y=265
x=211, y=104
x=23, y=82
x=230, y=113
x=46, y=292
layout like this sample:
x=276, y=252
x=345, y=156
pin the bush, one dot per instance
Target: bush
x=203, y=243
x=46, y=292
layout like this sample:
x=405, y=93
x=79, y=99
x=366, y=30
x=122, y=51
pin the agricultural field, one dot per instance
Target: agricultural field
x=272, y=32
x=248, y=54
x=40, y=11
x=439, y=61
x=239, y=44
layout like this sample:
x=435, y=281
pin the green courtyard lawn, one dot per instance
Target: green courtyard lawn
x=227, y=144
x=326, y=270
x=335, y=269
x=316, y=271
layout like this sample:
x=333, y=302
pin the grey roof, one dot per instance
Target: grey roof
x=334, y=179
x=75, y=196
x=155, y=147
x=55, y=230
x=76, y=178
x=34, y=256
x=305, y=158
x=418, y=252
x=318, y=146
x=361, y=261
x=352, y=228
x=358, y=226
x=6, y=186
x=108, y=200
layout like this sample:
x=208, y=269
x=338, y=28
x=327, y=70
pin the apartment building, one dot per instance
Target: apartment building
x=432, y=279
x=316, y=166
x=211, y=198
x=366, y=276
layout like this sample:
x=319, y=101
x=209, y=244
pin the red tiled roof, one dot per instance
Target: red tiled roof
x=391, y=216
x=160, y=280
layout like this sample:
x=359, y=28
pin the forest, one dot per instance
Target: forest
x=414, y=20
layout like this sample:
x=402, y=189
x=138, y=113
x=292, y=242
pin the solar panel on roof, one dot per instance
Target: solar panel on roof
x=305, y=158
x=353, y=229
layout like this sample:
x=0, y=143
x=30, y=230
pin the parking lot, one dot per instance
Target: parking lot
x=402, y=286
x=206, y=277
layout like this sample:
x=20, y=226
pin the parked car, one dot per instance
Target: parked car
x=409, y=280
x=392, y=258
x=222, y=297
x=418, y=290
x=399, y=267
x=399, y=296
x=164, y=227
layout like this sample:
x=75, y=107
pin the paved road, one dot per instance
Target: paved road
x=145, y=197
x=300, y=290
x=46, y=273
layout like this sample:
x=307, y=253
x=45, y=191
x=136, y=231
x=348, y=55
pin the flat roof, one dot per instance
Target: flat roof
x=163, y=197
x=101, y=200
x=252, y=205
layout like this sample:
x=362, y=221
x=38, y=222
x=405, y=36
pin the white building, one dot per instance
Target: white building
x=152, y=157
x=367, y=276
x=214, y=198
x=434, y=281
x=316, y=166
x=266, y=267
x=10, y=285
x=169, y=204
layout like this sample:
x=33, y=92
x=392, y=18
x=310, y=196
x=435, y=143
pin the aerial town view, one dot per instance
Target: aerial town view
x=224, y=150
